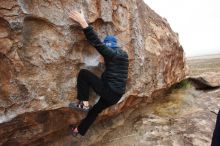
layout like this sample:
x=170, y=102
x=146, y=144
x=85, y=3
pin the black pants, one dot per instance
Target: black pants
x=216, y=134
x=85, y=80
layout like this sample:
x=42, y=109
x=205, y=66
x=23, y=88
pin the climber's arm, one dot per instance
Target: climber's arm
x=94, y=40
x=91, y=35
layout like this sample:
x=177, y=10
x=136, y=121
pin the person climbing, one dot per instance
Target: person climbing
x=216, y=133
x=112, y=84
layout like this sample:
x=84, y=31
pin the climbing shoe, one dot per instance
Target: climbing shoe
x=79, y=106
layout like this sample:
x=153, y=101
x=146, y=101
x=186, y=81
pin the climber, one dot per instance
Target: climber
x=216, y=133
x=112, y=84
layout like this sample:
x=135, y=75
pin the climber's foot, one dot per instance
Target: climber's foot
x=80, y=106
x=74, y=130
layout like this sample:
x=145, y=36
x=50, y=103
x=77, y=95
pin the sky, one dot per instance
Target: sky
x=196, y=21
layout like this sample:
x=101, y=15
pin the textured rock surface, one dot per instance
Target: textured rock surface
x=38, y=128
x=42, y=51
x=206, y=80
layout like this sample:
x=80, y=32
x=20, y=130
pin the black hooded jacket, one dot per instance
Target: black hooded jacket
x=116, y=62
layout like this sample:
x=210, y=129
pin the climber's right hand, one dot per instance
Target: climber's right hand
x=78, y=17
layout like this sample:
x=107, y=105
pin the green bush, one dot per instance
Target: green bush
x=183, y=84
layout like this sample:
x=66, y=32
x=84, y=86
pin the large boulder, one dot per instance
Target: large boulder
x=42, y=51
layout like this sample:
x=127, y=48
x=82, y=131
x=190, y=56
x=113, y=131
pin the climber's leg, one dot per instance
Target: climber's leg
x=92, y=114
x=86, y=79
x=107, y=99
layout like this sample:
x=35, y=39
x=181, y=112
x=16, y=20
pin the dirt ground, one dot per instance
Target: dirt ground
x=201, y=64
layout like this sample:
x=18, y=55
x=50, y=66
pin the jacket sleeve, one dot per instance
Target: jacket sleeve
x=94, y=40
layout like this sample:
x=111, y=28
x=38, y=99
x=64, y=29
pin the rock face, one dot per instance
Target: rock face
x=206, y=80
x=38, y=128
x=42, y=51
